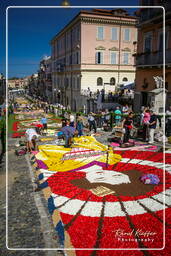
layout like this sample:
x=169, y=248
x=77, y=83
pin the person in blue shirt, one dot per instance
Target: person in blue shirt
x=79, y=126
x=117, y=113
x=44, y=122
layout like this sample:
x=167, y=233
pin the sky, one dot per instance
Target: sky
x=31, y=29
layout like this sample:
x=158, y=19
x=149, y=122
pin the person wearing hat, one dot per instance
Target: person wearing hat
x=152, y=126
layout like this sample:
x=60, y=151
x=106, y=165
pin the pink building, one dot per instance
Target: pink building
x=93, y=52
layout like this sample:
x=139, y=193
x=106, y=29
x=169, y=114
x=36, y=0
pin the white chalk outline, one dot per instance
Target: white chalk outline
x=79, y=7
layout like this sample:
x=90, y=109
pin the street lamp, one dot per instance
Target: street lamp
x=65, y=3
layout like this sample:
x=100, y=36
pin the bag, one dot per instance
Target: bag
x=20, y=152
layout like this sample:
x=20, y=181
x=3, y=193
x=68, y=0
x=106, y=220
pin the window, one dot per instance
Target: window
x=100, y=33
x=73, y=83
x=70, y=59
x=78, y=83
x=126, y=58
x=167, y=39
x=113, y=58
x=112, y=81
x=160, y=40
x=125, y=79
x=126, y=34
x=78, y=34
x=77, y=58
x=66, y=82
x=99, y=81
x=147, y=42
x=114, y=33
x=99, y=57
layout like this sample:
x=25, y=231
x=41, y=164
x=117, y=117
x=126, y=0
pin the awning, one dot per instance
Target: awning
x=127, y=85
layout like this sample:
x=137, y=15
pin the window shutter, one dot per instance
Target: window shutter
x=96, y=58
x=117, y=58
x=101, y=57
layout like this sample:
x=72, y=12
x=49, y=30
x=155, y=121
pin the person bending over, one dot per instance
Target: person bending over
x=68, y=132
x=31, y=136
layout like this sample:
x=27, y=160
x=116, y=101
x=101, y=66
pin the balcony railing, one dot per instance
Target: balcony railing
x=153, y=58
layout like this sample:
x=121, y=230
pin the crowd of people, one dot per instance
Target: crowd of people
x=76, y=124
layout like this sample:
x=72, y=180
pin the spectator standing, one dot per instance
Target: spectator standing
x=92, y=123
x=127, y=125
x=107, y=116
x=152, y=126
x=103, y=95
x=125, y=110
x=44, y=123
x=145, y=123
x=102, y=119
x=79, y=126
x=117, y=113
x=46, y=108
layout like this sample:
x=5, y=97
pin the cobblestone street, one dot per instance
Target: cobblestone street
x=26, y=225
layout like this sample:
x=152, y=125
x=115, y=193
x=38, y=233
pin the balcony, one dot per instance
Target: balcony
x=153, y=59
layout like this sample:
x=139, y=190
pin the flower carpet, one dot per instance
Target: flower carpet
x=98, y=202
x=19, y=127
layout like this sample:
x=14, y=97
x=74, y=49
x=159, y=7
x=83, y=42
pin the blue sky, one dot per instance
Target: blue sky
x=30, y=30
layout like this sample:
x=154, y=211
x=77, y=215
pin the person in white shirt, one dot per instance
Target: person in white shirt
x=71, y=119
x=31, y=136
x=92, y=122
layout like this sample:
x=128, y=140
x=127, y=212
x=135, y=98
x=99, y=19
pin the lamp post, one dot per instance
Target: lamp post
x=65, y=3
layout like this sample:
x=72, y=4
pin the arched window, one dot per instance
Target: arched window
x=125, y=79
x=99, y=81
x=112, y=81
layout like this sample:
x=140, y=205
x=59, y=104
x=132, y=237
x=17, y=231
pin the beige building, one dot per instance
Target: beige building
x=15, y=83
x=93, y=52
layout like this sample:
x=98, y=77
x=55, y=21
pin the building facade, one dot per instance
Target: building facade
x=149, y=58
x=2, y=88
x=44, y=81
x=93, y=52
x=33, y=89
x=15, y=83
